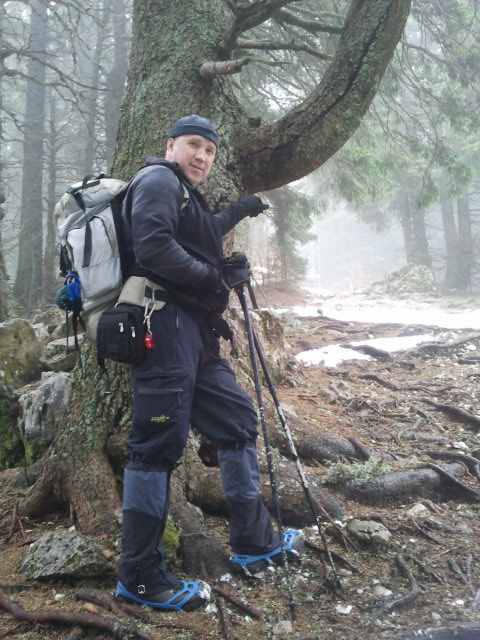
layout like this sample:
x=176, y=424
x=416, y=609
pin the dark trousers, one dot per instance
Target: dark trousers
x=183, y=381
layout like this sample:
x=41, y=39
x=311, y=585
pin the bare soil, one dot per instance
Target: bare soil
x=439, y=548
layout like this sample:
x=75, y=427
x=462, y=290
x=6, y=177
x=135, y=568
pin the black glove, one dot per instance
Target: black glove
x=217, y=299
x=253, y=205
x=235, y=270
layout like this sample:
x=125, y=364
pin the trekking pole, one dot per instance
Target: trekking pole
x=335, y=581
x=240, y=291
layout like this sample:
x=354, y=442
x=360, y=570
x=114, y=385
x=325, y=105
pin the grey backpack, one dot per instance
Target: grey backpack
x=89, y=230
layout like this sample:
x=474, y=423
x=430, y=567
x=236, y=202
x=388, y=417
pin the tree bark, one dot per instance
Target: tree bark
x=91, y=107
x=466, y=252
x=115, y=83
x=50, y=262
x=412, y=220
x=28, y=283
x=451, y=239
x=4, y=290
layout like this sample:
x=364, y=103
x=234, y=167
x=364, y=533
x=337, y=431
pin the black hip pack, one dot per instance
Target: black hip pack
x=121, y=333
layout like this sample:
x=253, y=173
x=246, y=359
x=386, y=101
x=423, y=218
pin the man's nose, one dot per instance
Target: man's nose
x=200, y=154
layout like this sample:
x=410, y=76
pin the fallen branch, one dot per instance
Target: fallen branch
x=225, y=620
x=84, y=620
x=243, y=606
x=108, y=602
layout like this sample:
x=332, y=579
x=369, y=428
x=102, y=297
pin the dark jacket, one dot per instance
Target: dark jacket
x=179, y=249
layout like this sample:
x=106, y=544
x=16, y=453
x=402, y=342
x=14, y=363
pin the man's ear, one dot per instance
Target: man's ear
x=170, y=143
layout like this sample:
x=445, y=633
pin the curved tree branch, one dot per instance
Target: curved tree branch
x=309, y=134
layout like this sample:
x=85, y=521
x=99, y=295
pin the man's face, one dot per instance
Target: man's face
x=194, y=154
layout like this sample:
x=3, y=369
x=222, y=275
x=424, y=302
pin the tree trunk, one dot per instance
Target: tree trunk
x=50, y=262
x=28, y=284
x=412, y=220
x=115, y=87
x=466, y=257
x=451, y=240
x=91, y=101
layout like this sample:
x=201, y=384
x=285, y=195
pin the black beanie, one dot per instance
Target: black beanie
x=195, y=125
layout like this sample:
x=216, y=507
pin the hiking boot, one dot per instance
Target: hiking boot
x=190, y=595
x=253, y=565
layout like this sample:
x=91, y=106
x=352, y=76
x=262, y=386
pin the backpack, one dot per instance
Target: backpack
x=92, y=254
x=93, y=257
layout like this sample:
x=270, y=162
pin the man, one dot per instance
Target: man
x=177, y=245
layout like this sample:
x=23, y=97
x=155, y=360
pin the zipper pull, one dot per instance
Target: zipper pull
x=120, y=324
x=133, y=332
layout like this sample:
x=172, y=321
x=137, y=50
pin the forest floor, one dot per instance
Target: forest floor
x=426, y=578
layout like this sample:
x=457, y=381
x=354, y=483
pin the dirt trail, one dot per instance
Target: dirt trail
x=410, y=411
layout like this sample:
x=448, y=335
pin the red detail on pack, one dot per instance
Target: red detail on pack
x=148, y=340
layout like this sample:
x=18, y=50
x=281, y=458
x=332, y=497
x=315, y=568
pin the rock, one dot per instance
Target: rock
x=381, y=592
x=410, y=279
x=62, y=362
x=64, y=554
x=51, y=320
x=344, y=610
x=20, y=352
x=282, y=628
x=418, y=509
x=43, y=406
x=62, y=354
x=369, y=531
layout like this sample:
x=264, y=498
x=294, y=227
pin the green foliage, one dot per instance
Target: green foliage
x=11, y=448
x=359, y=471
x=293, y=215
x=365, y=168
x=171, y=539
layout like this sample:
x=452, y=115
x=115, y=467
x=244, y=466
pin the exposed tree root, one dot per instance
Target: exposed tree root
x=205, y=490
x=76, y=471
x=455, y=412
x=405, y=601
x=459, y=632
x=391, y=487
x=472, y=463
x=459, y=486
x=202, y=554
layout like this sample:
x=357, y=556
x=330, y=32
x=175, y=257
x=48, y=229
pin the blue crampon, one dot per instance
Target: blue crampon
x=292, y=541
x=193, y=592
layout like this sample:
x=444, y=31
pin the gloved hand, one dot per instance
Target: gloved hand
x=235, y=270
x=217, y=299
x=253, y=205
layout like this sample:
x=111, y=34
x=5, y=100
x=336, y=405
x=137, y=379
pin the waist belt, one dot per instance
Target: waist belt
x=142, y=292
